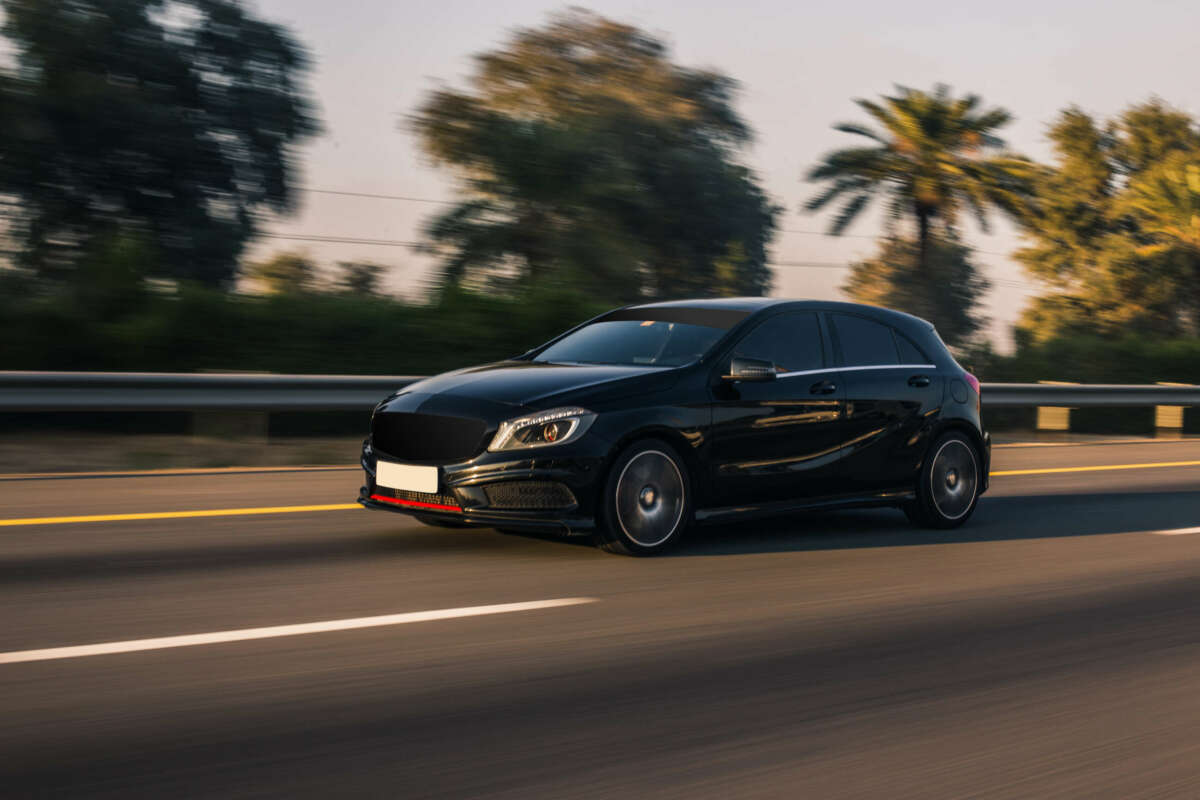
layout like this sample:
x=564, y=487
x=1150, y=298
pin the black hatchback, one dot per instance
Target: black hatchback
x=648, y=419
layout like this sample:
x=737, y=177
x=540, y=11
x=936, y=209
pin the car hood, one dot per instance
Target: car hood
x=531, y=383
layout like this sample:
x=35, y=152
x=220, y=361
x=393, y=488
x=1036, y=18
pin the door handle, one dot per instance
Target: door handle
x=919, y=381
x=823, y=387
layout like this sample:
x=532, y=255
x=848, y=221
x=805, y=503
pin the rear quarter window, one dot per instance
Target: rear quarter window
x=909, y=352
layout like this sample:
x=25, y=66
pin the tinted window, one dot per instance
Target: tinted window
x=792, y=342
x=864, y=342
x=632, y=341
x=909, y=352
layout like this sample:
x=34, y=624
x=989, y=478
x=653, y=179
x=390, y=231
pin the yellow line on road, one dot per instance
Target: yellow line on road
x=1097, y=468
x=208, y=512
x=240, y=512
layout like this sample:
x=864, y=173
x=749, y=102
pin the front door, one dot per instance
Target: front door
x=777, y=440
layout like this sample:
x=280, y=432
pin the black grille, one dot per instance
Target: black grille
x=427, y=437
x=418, y=497
x=529, y=494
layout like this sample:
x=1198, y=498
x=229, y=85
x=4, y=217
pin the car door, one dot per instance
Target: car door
x=777, y=439
x=892, y=392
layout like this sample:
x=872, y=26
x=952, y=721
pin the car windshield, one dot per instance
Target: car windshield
x=648, y=342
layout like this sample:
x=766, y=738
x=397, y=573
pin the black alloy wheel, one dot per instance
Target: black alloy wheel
x=647, y=503
x=948, y=484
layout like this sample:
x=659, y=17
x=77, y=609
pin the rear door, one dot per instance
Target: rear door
x=893, y=390
x=779, y=439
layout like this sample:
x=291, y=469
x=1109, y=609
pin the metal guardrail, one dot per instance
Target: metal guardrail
x=190, y=391
x=1109, y=395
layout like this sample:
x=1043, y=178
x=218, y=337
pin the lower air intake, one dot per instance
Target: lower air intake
x=529, y=494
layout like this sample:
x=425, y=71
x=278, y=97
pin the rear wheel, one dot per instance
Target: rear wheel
x=948, y=484
x=647, y=502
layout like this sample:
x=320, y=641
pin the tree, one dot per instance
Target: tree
x=284, y=273
x=935, y=156
x=360, y=277
x=947, y=290
x=1113, y=233
x=587, y=157
x=169, y=121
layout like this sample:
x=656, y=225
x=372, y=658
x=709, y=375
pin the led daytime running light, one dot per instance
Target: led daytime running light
x=505, y=439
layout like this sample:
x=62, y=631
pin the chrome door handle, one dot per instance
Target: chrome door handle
x=824, y=387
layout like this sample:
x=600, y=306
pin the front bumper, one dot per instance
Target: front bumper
x=555, y=490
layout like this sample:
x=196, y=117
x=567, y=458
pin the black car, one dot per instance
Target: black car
x=651, y=418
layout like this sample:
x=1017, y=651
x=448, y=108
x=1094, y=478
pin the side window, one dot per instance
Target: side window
x=792, y=342
x=909, y=352
x=864, y=342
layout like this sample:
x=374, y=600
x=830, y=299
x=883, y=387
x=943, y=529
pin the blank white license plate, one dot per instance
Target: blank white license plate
x=406, y=477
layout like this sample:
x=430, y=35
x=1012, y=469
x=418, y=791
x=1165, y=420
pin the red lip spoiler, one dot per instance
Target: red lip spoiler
x=414, y=503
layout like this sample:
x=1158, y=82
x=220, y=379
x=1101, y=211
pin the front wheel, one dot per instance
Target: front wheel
x=647, y=502
x=948, y=483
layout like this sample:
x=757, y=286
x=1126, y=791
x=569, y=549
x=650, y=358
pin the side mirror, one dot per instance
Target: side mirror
x=750, y=370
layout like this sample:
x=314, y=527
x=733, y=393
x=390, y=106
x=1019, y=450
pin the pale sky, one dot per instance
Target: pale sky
x=799, y=65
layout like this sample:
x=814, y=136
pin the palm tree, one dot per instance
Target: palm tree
x=1164, y=202
x=935, y=155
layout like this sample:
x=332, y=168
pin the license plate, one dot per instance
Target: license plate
x=406, y=477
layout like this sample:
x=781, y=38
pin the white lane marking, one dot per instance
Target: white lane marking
x=217, y=637
x=1177, y=532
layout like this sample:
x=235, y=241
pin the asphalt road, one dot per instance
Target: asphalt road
x=1049, y=649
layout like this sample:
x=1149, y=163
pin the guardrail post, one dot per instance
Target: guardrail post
x=1054, y=418
x=1168, y=420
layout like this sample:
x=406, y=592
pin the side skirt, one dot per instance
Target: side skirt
x=712, y=516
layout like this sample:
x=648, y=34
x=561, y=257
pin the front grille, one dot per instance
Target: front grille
x=418, y=497
x=427, y=437
x=529, y=494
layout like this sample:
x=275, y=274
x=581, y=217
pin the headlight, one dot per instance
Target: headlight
x=556, y=426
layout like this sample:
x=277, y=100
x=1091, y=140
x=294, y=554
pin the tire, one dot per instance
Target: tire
x=647, y=500
x=948, y=483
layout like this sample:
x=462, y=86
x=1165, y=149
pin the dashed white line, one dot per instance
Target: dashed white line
x=246, y=634
x=1176, y=532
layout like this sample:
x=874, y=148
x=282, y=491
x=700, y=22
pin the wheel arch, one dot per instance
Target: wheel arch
x=691, y=459
x=965, y=426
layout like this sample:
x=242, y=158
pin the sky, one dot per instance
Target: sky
x=799, y=64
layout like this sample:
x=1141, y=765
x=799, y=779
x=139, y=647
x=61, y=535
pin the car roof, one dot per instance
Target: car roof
x=755, y=304
x=730, y=303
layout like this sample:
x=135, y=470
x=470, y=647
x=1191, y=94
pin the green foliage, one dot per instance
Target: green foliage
x=171, y=123
x=1116, y=234
x=284, y=272
x=197, y=328
x=946, y=291
x=935, y=157
x=590, y=159
x=359, y=277
x=1088, y=358
x=1082, y=356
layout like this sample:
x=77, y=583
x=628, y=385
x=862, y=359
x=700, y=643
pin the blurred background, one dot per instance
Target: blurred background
x=298, y=187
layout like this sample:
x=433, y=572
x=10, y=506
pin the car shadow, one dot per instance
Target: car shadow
x=377, y=539
x=996, y=519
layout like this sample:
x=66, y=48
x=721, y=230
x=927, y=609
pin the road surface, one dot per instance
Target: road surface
x=1049, y=649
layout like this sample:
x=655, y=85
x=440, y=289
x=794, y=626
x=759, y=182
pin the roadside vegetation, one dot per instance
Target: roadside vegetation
x=144, y=143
